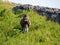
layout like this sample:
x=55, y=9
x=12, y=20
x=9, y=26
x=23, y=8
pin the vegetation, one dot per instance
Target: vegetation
x=41, y=31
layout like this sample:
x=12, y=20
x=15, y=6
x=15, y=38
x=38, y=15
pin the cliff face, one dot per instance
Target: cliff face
x=52, y=14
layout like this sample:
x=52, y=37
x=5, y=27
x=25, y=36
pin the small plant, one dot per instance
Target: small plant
x=2, y=12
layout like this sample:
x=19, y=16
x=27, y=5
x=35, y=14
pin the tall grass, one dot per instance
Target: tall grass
x=41, y=32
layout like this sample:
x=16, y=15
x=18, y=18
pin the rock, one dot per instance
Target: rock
x=52, y=14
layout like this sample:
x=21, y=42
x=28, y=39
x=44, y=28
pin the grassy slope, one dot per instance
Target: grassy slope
x=41, y=32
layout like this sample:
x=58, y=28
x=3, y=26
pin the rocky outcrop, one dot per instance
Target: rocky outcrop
x=52, y=14
x=23, y=7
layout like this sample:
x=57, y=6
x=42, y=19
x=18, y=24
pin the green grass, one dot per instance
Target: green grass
x=41, y=31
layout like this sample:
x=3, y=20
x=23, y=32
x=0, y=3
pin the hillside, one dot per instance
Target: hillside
x=52, y=14
x=41, y=31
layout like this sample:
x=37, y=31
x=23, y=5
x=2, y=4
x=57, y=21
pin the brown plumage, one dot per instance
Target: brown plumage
x=25, y=22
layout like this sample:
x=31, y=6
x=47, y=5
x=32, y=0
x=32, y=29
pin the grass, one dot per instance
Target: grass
x=41, y=31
